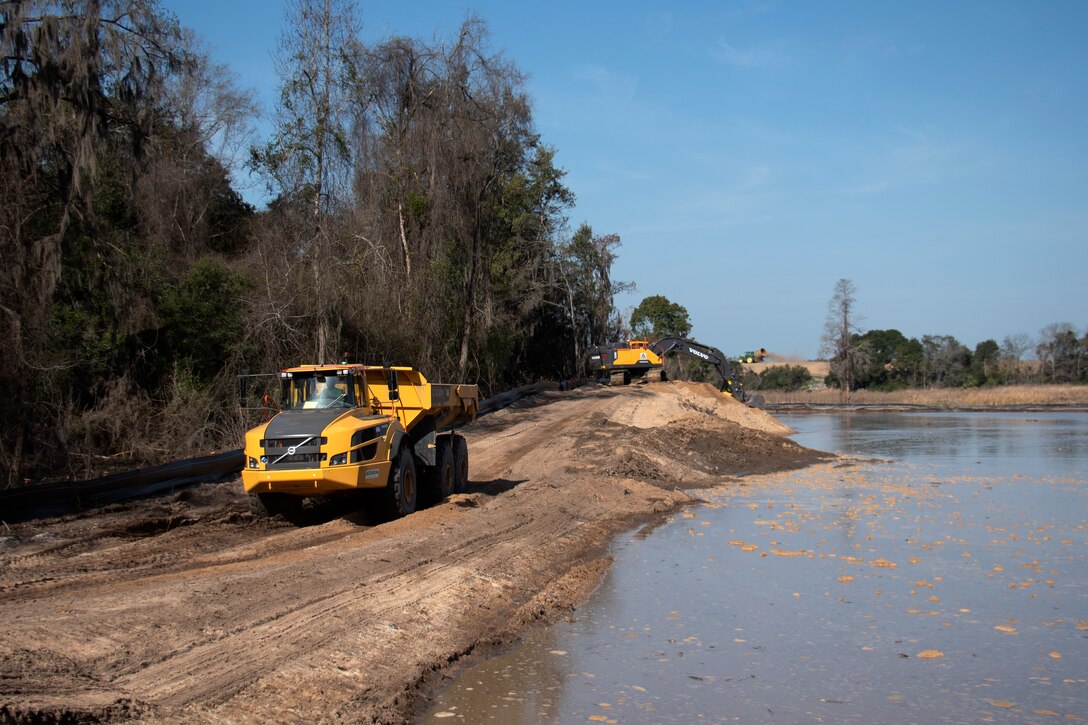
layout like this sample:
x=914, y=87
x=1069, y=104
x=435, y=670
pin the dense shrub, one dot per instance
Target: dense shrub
x=784, y=377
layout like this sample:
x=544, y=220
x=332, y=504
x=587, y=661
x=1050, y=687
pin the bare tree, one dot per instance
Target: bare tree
x=309, y=160
x=944, y=359
x=212, y=114
x=71, y=75
x=846, y=356
x=586, y=290
x=80, y=84
x=458, y=191
x=1059, y=352
x=1013, y=348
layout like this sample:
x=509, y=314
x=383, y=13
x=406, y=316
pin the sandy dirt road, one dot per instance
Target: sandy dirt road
x=190, y=609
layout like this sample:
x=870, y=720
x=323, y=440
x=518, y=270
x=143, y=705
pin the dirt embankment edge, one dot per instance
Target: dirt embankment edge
x=189, y=610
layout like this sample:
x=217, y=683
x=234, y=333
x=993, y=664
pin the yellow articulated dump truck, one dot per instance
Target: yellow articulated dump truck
x=357, y=427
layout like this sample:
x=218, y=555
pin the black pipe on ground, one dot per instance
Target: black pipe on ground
x=55, y=499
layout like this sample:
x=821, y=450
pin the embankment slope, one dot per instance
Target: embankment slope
x=189, y=609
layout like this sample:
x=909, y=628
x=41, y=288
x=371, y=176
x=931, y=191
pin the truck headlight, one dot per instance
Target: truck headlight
x=339, y=459
x=253, y=462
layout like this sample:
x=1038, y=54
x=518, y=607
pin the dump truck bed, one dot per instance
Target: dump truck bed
x=418, y=399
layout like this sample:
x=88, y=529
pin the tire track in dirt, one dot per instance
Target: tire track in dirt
x=243, y=622
x=291, y=635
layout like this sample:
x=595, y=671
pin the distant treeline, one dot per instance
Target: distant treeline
x=888, y=360
x=416, y=217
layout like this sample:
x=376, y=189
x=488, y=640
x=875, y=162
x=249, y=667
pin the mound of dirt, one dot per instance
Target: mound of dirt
x=189, y=609
x=725, y=406
x=658, y=406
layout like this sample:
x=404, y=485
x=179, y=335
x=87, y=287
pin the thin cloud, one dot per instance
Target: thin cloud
x=922, y=156
x=622, y=173
x=608, y=84
x=756, y=177
x=865, y=48
x=754, y=57
x=750, y=9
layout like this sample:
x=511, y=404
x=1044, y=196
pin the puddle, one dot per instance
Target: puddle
x=948, y=584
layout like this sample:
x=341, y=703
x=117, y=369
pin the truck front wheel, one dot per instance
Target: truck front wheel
x=400, y=494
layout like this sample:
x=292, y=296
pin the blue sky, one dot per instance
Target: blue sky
x=750, y=154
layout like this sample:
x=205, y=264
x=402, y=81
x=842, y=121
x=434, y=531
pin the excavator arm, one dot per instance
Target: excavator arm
x=717, y=359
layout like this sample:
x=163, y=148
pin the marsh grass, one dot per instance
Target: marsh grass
x=1002, y=396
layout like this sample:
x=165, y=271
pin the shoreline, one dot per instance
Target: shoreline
x=921, y=408
x=1012, y=398
x=187, y=608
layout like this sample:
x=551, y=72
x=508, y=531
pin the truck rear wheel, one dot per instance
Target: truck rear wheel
x=441, y=480
x=460, y=464
x=400, y=494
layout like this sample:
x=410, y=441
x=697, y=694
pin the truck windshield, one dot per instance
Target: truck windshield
x=309, y=391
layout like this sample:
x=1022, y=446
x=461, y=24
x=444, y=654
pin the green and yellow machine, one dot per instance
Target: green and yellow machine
x=355, y=427
x=753, y=356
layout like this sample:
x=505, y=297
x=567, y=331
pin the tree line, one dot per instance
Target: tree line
x=416, y=217
x=888, y=360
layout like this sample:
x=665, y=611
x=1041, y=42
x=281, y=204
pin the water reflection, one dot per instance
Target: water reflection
x=997, y=439
x=948, y=585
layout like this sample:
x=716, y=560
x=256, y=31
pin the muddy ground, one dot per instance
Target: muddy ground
x=188, y=608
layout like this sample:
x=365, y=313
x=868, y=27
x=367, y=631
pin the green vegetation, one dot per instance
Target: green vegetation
x=941, y=361
x=789, y=378
x=887, y=360
x=416, y=217
x=656, y=317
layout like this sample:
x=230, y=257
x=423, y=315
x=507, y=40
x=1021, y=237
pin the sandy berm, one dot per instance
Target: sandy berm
x=189, y=608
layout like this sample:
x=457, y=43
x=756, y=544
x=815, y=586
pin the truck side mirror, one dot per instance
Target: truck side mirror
x=391, y=383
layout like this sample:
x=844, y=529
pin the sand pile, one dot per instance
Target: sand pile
x=655, y=405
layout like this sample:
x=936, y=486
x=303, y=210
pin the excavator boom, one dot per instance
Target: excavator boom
x=712, y=355
x=620, y=363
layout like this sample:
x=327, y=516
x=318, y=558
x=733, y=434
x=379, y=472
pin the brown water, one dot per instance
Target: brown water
x=946, y=584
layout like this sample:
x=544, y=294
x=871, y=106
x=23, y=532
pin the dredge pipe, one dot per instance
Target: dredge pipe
x=55, y=499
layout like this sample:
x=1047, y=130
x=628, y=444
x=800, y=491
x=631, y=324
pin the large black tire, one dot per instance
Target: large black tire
x=440, y=480
x=400, y=494
x=279, y=504
x=460, y=464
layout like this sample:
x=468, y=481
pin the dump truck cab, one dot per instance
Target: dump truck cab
x=350, y=427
